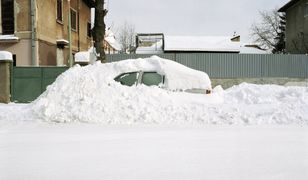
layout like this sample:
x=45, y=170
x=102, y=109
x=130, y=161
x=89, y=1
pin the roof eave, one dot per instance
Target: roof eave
x=287, y=6
x=89, y=3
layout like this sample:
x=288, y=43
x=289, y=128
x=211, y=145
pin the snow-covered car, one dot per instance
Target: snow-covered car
x=164, y=73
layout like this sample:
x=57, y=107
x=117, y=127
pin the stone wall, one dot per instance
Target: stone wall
x=5, y=81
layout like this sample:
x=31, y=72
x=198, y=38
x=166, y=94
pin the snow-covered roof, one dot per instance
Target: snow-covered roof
x=110, y=38
x=201, y=43
x=6, y=56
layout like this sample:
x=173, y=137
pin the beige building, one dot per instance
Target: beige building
x=42, y=38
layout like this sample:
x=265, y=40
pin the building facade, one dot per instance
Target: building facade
x=296, y=26
x=36, y=31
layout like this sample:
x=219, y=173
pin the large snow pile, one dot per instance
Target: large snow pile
x=89, y=94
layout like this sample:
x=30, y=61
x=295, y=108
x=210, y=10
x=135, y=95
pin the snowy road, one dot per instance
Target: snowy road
x=82, y=151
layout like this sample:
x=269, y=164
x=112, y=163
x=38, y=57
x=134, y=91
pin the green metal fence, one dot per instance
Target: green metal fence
x=27, y=83
x=222, y=65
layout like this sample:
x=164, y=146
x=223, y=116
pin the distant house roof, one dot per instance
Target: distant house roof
x=89, y=3
x=219, y=44
x=288, y=5
x=201, y=43
x=110, y=39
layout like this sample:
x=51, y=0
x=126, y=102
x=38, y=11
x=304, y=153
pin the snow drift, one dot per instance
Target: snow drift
x=89, y=94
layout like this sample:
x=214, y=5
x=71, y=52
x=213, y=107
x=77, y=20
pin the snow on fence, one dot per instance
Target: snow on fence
x=236, y=65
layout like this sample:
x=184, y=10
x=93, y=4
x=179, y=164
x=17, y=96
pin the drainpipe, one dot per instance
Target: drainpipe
x=33, y=33
x=70, y=34
x=78, y=14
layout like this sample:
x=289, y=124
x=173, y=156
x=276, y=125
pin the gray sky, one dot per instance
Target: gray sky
x=190, y=17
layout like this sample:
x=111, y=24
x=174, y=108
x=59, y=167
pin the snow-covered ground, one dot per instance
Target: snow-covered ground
x=88, y=151
x=89, y=127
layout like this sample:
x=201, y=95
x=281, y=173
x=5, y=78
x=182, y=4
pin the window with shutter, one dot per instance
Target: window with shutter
x=59, y=10
x=7, y=16
x=74, y=19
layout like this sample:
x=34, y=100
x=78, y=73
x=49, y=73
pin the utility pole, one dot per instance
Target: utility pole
x=33, y=33
x=70, y=34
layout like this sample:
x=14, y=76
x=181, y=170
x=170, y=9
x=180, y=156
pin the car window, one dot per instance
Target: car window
x=152, y=78
x=127, y=79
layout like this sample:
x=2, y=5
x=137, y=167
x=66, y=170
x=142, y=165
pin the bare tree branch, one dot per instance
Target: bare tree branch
x=127, y=37
x=267, y=30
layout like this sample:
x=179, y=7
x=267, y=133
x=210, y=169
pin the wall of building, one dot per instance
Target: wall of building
x=85, y=41
x=49, y=29
x=5, y=81
x=22, y=50
x=297, y=29
x=23, y=18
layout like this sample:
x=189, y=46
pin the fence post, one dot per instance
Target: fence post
x=6, y=59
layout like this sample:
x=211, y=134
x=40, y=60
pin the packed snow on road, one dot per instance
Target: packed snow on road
x=88, y=126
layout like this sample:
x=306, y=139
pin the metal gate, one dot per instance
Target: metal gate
x=27, y=83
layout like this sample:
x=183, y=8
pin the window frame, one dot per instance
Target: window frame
x=306, y=10
x=9, y=30
x=57, y=12
x=89, y=30
x=76, y=16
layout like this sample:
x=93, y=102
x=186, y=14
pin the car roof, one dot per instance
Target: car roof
x=177, y=75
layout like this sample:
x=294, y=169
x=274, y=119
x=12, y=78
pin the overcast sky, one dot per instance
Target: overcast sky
x=189, y=17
